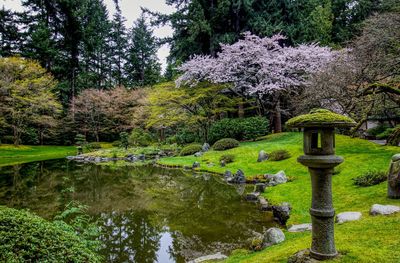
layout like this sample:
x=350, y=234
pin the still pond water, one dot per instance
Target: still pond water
x=146, y=214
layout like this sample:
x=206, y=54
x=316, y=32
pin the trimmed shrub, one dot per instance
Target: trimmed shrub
x=227, y=158
x=25, y=237
x=377, y=130
x=370, y=178
x=279, y=155
x=92, y=146
x=225, y=144
x=116, y=143
x=239, y=129
x=190, y=149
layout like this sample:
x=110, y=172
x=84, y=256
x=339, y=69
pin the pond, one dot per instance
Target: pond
x=146, y=214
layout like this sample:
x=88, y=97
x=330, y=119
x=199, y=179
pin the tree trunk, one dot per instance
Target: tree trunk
x=278, y=118
x=16, y=135
x=241, y=109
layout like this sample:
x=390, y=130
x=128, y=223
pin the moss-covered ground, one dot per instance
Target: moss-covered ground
x=372, y=239
x=10, y=154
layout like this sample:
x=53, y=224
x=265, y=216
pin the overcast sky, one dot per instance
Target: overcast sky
x=131, y=11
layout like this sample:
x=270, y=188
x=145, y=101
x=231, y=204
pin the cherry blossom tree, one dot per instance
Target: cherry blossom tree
x=259, y=67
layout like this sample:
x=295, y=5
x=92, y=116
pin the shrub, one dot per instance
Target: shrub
x=377, y=130
x=239, y=129
x=25, y=237
x=370, y=178
x=116, y=143
x=8, y=139
x=124, y=138
x=227, y=158
x=279, y=155
x=171, y=139
x=394, y=137
x=185, y=136
x=93, y=146
x=190, y=149
x=224, y=144
x=140, y=137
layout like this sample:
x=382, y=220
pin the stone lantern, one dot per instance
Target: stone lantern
x=319, y=156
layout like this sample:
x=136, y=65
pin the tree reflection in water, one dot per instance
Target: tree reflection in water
x=147, y=214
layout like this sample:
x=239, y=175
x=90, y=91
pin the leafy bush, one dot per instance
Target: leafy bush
x=124, y=139
x=25, y=237
x=279, y=155
x=30, y=136
x=93, y=146
x=370, y=178
x=239, y=129
x=227, y=158
x=185, y=136
x=141, y=138
x=116, y=143
x=377, y=130
x=224, y=144
x=190, y=149
x=171, y=140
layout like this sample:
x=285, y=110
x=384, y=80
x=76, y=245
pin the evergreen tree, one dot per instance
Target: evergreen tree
x=118, y=46
x=142, y=67
x=10, y=37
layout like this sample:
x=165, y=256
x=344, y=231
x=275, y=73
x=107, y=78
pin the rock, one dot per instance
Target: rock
x=264, y=206
x=275, y=179
x=302, y=256
x=300, y=228
x=377, y=209
x=253, y=197
x=222, y=163
x=273, y=236
x=260, y=187
x=206, y=147
x=198, y=154
x=217, y=256
x=262, y=156
x=281, y=213
x=394, y=177
x=239, y=177
x=196, y=165
x=141, y=157
x=348, y=216
x=227, y=174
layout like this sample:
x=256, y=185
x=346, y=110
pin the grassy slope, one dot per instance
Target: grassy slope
x=10, y=155
x=370, y=240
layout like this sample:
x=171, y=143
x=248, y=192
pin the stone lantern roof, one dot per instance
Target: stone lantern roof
x=320, y=118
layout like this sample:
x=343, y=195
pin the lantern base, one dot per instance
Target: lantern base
x=320, y=256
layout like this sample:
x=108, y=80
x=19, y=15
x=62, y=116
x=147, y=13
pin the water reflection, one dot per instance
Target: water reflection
x=147, y=214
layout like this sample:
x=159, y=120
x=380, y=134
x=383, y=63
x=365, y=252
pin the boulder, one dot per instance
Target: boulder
x=206, y=147
x=253, y=196
x=300, y=228
x=303, y=256
x=227, y=174
x=260, y=187
x=262, y=156
x=141, y=157
x=273, y=236
x=217, y=256
x=347, y=217
x=281, y=213
x=377, y=209
x=198, y=154
x=264, y=206
x=196, y=165
x=275, y=179
x=239, y=177
x=394, y=177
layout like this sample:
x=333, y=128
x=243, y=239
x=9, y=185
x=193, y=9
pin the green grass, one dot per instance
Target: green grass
x=373, y=239
x=11, y=155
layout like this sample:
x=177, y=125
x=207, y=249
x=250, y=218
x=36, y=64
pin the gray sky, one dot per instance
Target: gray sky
x=131, y=11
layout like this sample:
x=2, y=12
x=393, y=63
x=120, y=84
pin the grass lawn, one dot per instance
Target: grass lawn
x=10, y=154
x=373, y=239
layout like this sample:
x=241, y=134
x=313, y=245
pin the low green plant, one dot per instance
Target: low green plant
x=116, y=143
x=225, y=144
x=370, y=178
x=25, y=237
x=124, y=139
x=92, y=146
x=279, y=155
x=140, y=137
x=227, y=158
x=377, y=130
x=190, y=149
x=185, y=136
